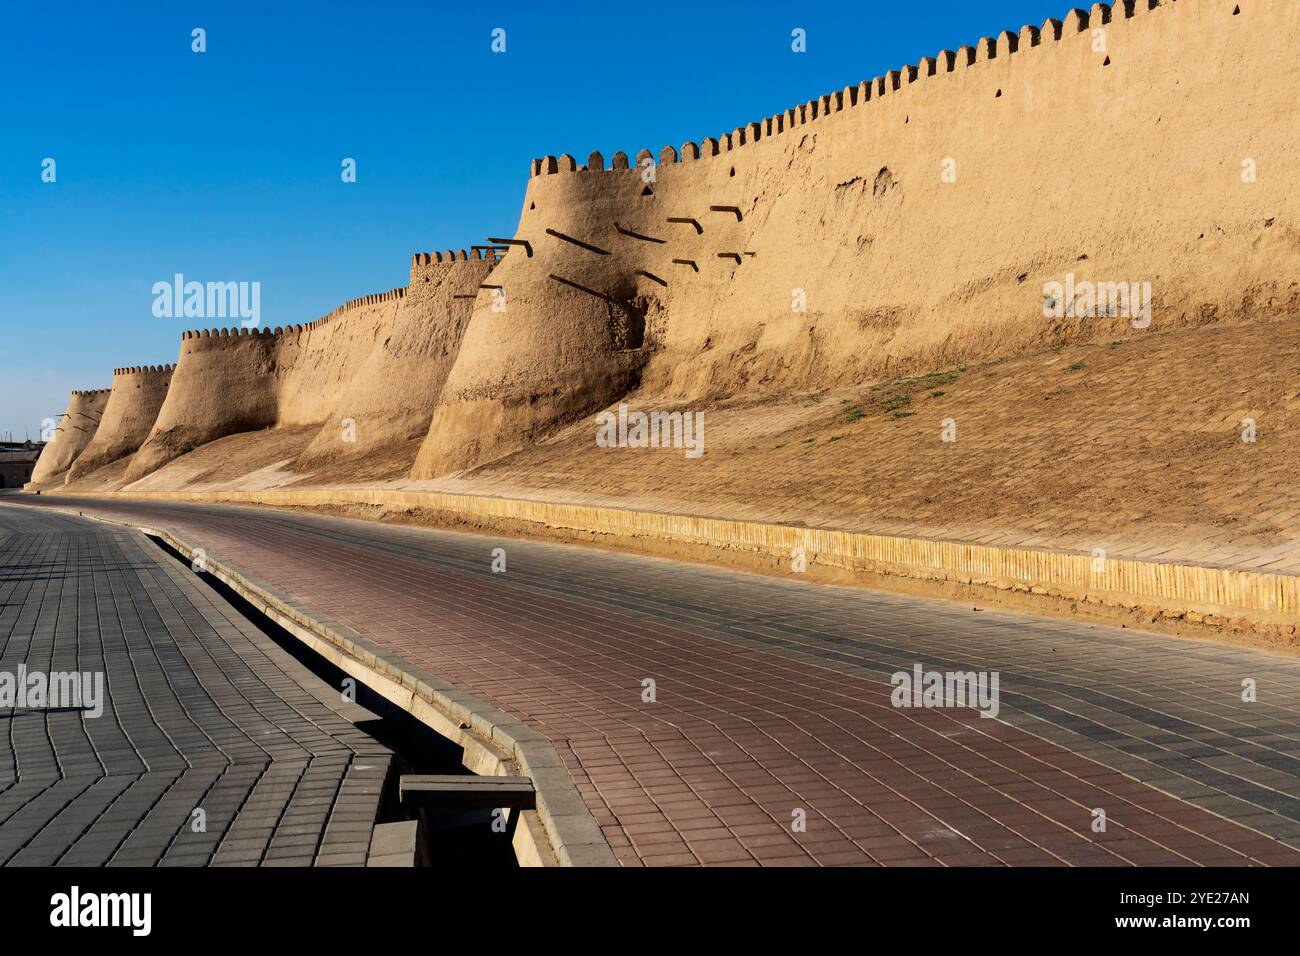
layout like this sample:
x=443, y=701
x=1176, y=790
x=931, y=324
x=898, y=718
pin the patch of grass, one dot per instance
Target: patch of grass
x=930, y=379
x=903, y=414
x=834, y=438
x=854, y=413
x=809, y=441
x=895, y=395
x=1074, y=367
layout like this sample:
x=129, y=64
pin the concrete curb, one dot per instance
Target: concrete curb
x=494, y=742
x=1199, y=593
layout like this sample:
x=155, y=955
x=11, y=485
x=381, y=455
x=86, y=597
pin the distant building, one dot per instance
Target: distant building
x=17, y=459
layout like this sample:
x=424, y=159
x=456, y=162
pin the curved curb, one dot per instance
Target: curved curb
x=491, y=738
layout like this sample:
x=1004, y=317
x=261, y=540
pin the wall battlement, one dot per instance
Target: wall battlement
x=366, y=300
x=144, y=370
x=425, y=264
x=228, y=333
x=452, y=255
x=269, y=332
x=87, y=392
x=985, y=49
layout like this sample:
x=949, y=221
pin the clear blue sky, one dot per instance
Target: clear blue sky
x=225, y=165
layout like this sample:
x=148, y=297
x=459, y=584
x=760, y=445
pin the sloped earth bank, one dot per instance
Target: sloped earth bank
x=1135, y=444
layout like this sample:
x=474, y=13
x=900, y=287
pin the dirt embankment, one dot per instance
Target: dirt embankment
x=1182, y=440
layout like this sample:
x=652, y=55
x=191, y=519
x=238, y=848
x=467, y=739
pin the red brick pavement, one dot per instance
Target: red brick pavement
x=739, y=738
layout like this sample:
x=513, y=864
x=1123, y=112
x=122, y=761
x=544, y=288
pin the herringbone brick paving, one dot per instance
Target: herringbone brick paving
x=773, y=697
x=202, y=711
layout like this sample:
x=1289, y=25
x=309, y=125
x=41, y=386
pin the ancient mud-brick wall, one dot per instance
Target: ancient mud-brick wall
x=399, y=360
x=73, y=433
x=133, y=404
x=224, y=382
x=378, y=360
x=910, y=222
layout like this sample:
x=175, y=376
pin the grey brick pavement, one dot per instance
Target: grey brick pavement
x=203, y=711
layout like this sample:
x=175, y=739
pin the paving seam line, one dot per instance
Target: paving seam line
x=567, y=824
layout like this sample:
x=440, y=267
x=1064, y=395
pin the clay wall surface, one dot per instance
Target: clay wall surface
x=378, y=361
x=133, y=404
x=73, y=433
x=919, y=215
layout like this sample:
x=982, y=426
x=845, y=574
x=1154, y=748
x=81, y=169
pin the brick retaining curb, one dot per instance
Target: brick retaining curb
x=1199, y=593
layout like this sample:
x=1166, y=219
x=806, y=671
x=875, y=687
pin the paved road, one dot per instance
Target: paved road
x=773, y=702
x=200, y=710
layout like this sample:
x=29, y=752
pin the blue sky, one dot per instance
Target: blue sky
x=225, y=165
